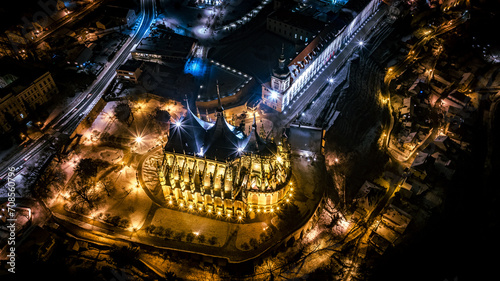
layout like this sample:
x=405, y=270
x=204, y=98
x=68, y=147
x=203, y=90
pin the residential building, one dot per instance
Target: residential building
x=293, y=26
x=115, y=16
x=22, y=86
x=165, y=46
x=131, y=70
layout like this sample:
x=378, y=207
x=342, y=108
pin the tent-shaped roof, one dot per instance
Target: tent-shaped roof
x=191, y=135
x=219, y=141
x=258, y=145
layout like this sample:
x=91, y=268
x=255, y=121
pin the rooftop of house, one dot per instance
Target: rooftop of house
x=130, y=65
x=297, y=20
x=168, y=43
x=15, y=77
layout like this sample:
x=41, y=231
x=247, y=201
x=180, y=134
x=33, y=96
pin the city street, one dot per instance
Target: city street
x=69, y=121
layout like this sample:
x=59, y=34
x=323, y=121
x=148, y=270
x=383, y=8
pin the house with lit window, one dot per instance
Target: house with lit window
x=131, y=70
x=22, y=86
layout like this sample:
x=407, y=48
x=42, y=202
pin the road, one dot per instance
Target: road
x=63, y=21
x=398, y=69
x=69, y=121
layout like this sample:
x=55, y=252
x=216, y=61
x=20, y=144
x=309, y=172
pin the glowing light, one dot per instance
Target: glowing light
x=287, y=200
x=361, y=43
x=274, y=95
x=250, y=209
x=190, y=207
x=240, y=149
x=219, y=213
x=330, y=80
x=194, y=66
x=209, y=210
x=138, y=139
x=199, y=209
x=272, y=210
x=182, y=205
x=196, y=233
x=258, y=210
x=279, y=159
x=170, y=202
x=240, y=217
x=178, y=123
x=228, y=215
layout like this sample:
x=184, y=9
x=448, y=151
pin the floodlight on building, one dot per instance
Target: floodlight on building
x=170, y=202
x=190, y=207
x=240, y=217
x=219, y=213
x=182, y=205
x=274, y=95
x=228, y=215
x=279, y=159
x=138, y=139
x=178, y=123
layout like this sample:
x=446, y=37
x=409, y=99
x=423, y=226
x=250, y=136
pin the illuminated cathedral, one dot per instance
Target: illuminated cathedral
x=215, y=169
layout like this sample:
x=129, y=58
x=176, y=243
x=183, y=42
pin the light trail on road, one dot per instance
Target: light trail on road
x=70, y=120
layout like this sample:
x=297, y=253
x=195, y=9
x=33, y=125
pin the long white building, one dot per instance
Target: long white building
x=316, y=55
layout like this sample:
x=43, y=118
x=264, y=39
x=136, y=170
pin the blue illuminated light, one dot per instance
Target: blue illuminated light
x=194, y=66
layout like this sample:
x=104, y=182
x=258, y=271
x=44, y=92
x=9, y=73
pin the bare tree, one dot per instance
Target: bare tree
x=41, y=184
x=85, y=195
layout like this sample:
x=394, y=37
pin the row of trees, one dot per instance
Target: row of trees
x=254, y=243
x=168, y=233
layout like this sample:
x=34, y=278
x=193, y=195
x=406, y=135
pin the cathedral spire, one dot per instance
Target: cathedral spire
x=281, y=61
x=254, y=125
x=219, y=107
